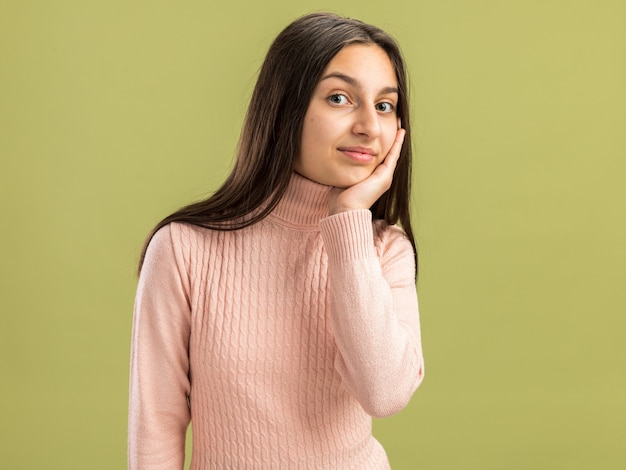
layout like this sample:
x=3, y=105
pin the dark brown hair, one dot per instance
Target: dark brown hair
x=271, y=134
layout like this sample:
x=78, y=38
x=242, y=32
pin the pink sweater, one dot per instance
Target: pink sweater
x=279, y=341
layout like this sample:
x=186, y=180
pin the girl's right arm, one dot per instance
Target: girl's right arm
x=159, y=372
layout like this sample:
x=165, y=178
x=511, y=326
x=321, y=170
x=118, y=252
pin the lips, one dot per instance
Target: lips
x=359, y=154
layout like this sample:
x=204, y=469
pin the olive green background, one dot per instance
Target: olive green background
x=114, y=113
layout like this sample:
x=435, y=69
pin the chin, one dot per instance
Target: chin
x=347, y=181
x=341, y=181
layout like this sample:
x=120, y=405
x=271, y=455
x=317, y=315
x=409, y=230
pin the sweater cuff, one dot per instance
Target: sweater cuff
x=348, y=235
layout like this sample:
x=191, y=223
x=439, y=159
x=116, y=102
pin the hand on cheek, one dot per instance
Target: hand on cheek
x=362, y=195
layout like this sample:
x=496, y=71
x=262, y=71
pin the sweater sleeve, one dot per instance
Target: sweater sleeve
x=159, y=372
x=374, y=312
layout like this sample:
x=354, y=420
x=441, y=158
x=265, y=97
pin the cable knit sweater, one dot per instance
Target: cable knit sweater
x=279, y=341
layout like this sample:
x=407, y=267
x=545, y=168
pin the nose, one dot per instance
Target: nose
x=367, y=122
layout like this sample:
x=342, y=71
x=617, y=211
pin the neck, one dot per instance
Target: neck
x=304, y=203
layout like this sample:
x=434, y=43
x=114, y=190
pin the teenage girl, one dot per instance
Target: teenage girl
x=280, y=314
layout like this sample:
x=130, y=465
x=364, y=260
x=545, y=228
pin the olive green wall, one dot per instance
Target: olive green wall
x=114, y=113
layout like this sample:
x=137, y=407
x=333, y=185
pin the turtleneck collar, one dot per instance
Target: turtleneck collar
x=304, y=203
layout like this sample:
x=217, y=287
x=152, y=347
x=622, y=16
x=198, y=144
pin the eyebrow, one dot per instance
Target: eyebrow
x=355, y=83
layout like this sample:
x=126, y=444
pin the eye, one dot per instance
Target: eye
x=338, y=99
x=385, y=107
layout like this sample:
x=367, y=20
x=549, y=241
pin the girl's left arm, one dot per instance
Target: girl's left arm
x=373, y=311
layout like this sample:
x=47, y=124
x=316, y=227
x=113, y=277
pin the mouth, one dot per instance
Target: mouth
x=359, y=154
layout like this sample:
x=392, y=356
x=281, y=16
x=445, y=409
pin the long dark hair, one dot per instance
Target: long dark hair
x=271, y=134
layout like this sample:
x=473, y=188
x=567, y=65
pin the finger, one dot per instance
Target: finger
x=384, y=172
x=394, y=152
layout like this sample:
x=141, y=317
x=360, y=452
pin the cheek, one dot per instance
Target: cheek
x=320, y=128
x=311, y=132
x=388, y=136
x=308, y=136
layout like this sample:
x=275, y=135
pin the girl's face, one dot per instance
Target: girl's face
x=351, y=120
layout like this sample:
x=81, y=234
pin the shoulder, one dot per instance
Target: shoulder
x=170, y=237
x=177, y=241
x=186, y=236
x=393, y=247
x=388, y=237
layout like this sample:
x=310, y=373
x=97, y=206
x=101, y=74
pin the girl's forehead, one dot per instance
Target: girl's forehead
x=361, y=64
